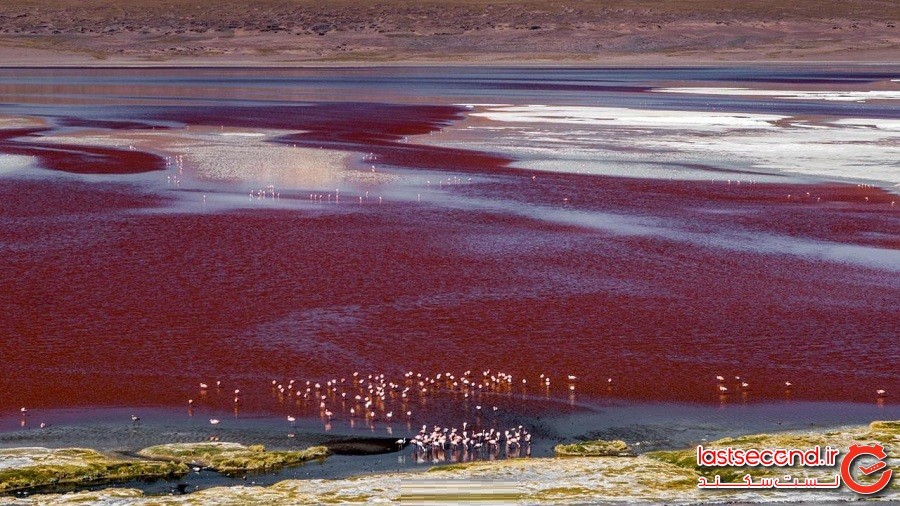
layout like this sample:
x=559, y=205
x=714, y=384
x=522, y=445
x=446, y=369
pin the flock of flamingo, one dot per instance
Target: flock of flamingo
x=374, y=398
x=371, y=398
x=466, y=444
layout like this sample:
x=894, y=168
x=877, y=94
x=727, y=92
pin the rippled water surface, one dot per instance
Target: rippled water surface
x=163, y=228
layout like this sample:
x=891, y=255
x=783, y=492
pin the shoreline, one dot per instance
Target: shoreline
x=647, y=476
x=625, y=62
x=662, y=427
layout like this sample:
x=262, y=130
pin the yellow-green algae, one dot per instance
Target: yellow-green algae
x=23, y=469
x=885, y=432
x=597, y=448
x=233, y=457
x=669, y=477
x=581, y=478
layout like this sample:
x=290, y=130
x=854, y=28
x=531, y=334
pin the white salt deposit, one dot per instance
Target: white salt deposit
x=623, y=117
x=834, y=96
x=13, y=163
x=678, y=144
x=879, y=123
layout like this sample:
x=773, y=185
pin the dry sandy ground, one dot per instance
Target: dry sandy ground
x=290, y=32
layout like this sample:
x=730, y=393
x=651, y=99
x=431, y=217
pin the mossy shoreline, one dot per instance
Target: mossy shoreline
x=42, y=470
x=659, y=476
x=597, y=448
x=231, y=458
x=69, y=468
x=886, y=433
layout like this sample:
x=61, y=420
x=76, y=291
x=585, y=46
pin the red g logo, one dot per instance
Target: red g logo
x=855, y=451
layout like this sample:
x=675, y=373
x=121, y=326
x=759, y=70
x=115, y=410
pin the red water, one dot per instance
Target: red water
x=352, y=126
x=102, y=305
x=76, y=158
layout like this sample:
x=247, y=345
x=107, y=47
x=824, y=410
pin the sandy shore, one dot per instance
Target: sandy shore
x=351, y=32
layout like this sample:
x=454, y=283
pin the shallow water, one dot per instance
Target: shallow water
x=643, y=426
x=430, y=237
